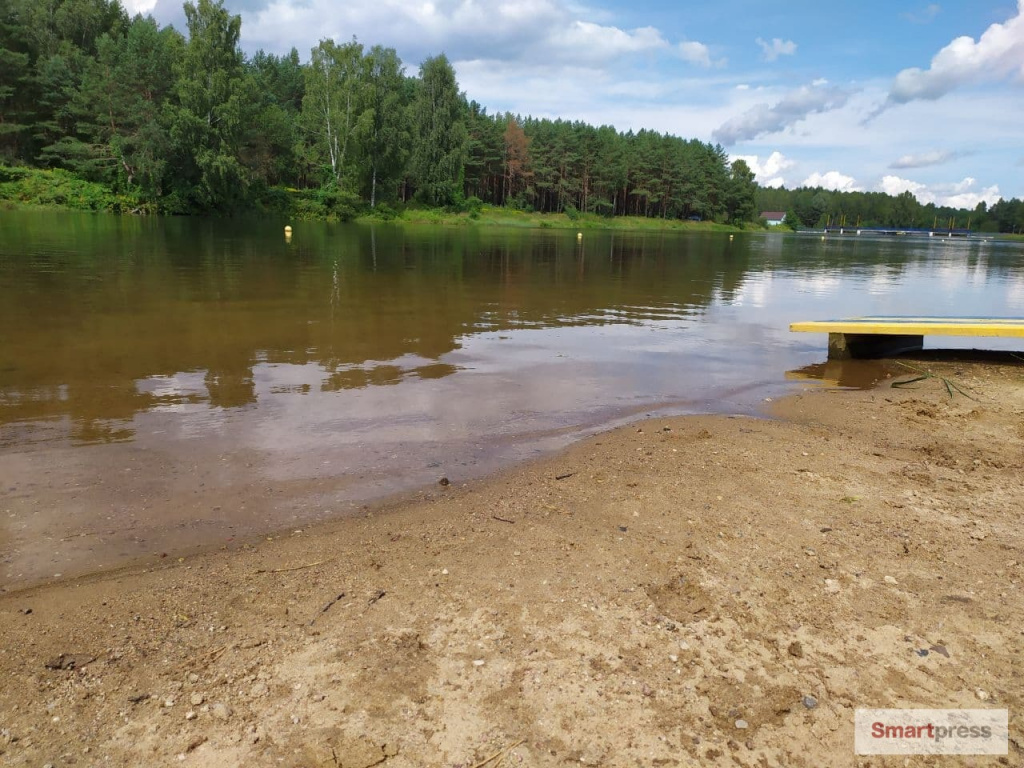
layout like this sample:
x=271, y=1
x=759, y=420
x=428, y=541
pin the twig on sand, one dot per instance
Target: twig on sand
x=377, y=596
x=951, y=386
x=81, y=535
x=326, y=608
x=294, y=568
x=212, y=655
x=504, y=519
x=500, y=753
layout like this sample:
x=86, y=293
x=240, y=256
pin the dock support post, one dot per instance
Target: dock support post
x=843, y=346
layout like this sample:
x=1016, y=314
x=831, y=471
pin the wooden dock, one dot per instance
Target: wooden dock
x=846, y=229
x=883, y=336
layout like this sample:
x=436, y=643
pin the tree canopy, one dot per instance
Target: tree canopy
x=185, y=122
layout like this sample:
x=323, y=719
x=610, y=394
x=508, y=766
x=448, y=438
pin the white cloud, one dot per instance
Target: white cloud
x=595, y=95
x=961, y=194
x=777, y=47
x=894, y=185
x=499, y=30
x=767, y=173
x=996, y=55
x=833, y=180
x=138, y=6
x=584, y=38
x=793, y=107
x=695, y=53
x=971, y=198
x=924, y=159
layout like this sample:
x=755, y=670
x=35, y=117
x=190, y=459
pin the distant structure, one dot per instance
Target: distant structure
x=774, y=218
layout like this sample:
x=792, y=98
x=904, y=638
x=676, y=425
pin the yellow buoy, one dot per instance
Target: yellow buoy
x=287, y=230
x=579, y=235
x=730, y=237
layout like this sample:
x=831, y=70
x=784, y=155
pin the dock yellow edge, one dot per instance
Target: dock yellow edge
x=917, y=326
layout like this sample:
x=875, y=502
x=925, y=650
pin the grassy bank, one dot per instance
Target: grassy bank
x=507, y=217
x=32, y=188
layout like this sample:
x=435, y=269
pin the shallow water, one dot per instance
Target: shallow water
x=172, y=383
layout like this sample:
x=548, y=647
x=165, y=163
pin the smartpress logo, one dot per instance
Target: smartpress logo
x=931, y=732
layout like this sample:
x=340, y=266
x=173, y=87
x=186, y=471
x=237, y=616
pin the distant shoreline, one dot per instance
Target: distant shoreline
x=491, y=216
x=35, y=189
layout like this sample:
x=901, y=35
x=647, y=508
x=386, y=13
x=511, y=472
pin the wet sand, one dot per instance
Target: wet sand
x=703, y=590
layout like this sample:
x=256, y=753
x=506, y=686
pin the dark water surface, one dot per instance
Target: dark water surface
x=167, y=383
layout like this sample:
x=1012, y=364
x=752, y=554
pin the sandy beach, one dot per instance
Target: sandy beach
x=693, y=591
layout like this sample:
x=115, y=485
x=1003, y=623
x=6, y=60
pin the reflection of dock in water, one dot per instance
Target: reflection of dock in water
x=848, y=374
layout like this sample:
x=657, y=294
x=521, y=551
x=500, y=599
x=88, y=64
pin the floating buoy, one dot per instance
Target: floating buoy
x=579, y=235
x=823, y=238
x=287, y=230
x=730, y=238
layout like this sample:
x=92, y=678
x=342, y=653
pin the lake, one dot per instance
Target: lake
x=170, y=384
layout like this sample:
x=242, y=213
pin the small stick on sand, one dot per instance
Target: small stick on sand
x=326, y=608
x=499, y=753
x=212, y=655
x=81, y=535
x=294, y=568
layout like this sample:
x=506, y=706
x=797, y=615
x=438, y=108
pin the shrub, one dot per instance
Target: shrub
x=35, y=187
x=339, y=204
x=385, y=212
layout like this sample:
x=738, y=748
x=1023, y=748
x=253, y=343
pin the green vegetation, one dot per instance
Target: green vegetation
x=35, y=188
x=180, y=123
x=138, y=117
x=817, y=207
x=509, y=217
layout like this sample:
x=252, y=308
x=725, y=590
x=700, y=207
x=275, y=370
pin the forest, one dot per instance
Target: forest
x=142, y=118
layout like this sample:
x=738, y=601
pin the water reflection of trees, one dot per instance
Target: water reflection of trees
x=102, y=304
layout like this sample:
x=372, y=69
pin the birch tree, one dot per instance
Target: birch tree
x=333, y=101
x=385, y=129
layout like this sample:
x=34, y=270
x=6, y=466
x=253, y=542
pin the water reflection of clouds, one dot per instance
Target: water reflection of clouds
x=177, y=393
x=503, y=385
x=821, y=284
x=656, y=322
x=883, y=280
x=755, y=291
x=1015, y=293
x=955, y=276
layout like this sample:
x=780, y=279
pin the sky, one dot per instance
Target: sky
x=879, y=95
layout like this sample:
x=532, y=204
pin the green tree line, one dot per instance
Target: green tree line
x=187, y=123
x=816, y=207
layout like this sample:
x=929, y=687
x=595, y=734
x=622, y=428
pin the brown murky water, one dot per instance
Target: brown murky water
x=169, y=384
